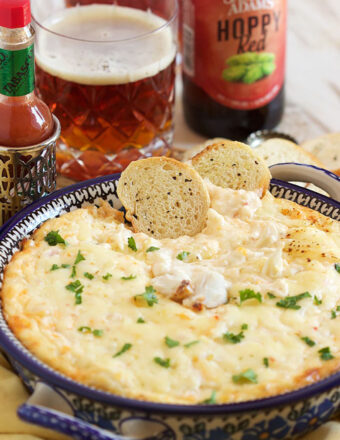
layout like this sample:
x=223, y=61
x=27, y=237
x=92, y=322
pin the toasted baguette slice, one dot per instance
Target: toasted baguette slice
x=279, y=150
x=164, y=198
x=327, y=149
x=189, y=154
x=233, y=165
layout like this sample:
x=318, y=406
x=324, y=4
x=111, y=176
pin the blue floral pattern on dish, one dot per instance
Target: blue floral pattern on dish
x=95, y=419
x=314, y=417
x=200, y=432
x=94, y=414
x=273, y=429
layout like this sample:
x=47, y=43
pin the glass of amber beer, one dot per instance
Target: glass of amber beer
x=106, y=68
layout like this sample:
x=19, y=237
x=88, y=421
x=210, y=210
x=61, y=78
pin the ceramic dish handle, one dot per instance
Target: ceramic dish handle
x=48, y=409
x=324, y=179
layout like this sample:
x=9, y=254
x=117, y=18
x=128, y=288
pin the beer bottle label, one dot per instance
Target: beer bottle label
x=235, y=49
x=17, y=71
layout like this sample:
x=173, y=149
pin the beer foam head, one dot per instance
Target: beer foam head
x=104, y=45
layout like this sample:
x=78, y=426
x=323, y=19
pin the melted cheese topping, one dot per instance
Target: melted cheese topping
x=264, y=245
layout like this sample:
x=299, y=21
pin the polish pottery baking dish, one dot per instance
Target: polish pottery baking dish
x=85, y=412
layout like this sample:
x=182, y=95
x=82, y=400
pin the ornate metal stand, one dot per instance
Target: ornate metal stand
x=27, y=174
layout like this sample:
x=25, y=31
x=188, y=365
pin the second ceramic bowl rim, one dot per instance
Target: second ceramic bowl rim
x=53, y=378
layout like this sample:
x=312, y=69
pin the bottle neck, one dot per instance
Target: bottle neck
x=16, y=61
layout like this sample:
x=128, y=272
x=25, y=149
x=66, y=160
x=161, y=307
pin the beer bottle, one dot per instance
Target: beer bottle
x=233, y=65
x=24, y=119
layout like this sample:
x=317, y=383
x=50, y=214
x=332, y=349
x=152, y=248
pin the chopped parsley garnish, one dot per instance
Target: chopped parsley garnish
x=88, y=275
x=325, y=354
x=130, y=277
x=53, y=238
x=249, y=294
x=266, y=362
x=97, y=333
x=317, y=301
x=147, y=297
x=171, y=343
x=271, y=295
x=78, y=298
x=85, y=329
x=337, y=267
x=190, y=344
x=211, y=400
x=165, y=363
x=140, y=321
x=152, y=249
x=77, y=288
x=79, y=258
x=125, y=348
x=74, y=272
x=107, y=276
x=63, y=266
x=290, y=302
x=132, y=244
x=234, y=339
x=183, y=255
x=248, y=376
x=334, y=313
x=308, y=341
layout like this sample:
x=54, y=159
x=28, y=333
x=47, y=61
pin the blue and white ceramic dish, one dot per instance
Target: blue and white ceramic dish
x=85, y=413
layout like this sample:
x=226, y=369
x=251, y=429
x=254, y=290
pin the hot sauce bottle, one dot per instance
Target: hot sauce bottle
x=24, y=119
x=234, y=65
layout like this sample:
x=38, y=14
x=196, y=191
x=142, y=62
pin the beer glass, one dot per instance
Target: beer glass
x=106, y=68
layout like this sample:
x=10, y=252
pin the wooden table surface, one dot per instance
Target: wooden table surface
x=312, y=74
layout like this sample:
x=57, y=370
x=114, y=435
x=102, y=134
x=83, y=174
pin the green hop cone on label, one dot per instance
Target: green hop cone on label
x=234, y=73
x=254, y=73
x=265, y=57
x=268, y=68
x=244, y=58
x=249, y=67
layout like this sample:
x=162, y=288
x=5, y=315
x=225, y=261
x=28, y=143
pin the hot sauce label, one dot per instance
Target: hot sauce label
x=17, y=71
x=235, y=49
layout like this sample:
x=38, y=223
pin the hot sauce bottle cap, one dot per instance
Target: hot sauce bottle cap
x=15, y=13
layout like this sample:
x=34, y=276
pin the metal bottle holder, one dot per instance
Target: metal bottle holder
x=27, y=174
